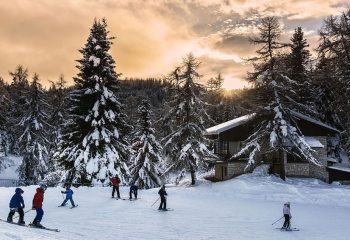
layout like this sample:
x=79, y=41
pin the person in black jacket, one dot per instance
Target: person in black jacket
x=162, y=193
x=133, y=190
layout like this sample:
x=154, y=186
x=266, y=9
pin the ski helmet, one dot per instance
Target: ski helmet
x=19, y=190
x=43, y=186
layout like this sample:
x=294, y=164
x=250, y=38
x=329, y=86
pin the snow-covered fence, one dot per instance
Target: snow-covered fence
x=9, y=183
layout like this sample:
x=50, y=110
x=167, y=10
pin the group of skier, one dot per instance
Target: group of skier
x=115, y=182
x=17, y=205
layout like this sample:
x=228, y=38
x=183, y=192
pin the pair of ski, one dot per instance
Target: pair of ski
x=288, y=229
x=165, y=210
x=30, y=225
x=132, y=199
x=70, y=207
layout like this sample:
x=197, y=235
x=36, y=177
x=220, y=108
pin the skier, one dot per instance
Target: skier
x=17, y=205
x=69, y=196
x=115, y=184
x=162, y=193
x=287, y=216
x=38, y=205
x=133, y=190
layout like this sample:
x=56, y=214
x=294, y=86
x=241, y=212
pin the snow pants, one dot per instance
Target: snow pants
x=162, y=202
x=39, y=215
x=66, y=200
x=13, y=211
x=116, y=188
x=286, y=223
x=133, y=192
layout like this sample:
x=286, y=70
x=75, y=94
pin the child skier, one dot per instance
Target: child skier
x=17, y=205
x=38, y=205
x=133, y=190
x=162, y=193
x=287, y=216
x=115, y=184
x=69, y=196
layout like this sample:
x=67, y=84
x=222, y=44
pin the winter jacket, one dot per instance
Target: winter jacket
x=115, y=181
x=38, y=198
x=162, y=192
x=69, y=193
x=286, y=210
x=17, y=199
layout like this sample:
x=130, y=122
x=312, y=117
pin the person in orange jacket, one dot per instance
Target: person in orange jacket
x=38, y=205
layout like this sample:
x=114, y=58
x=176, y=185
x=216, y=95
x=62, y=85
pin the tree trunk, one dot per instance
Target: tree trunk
x=193, y=176
x=282, y=156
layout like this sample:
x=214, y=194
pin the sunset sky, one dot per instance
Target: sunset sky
x=151, y=36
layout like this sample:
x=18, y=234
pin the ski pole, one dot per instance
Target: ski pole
x=278, y=220
x=24, y=213
x=155, y=202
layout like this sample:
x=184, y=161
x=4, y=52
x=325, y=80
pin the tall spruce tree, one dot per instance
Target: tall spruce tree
x=57, y=99
x=269, y=33
x=332, y=75
x=33, y=142
x=185, y=147
x=277, y=129
x=94, y=147
x=4, y=118
x=18, y=94
x=298, y=69
x=146, y=167
x=299, y=57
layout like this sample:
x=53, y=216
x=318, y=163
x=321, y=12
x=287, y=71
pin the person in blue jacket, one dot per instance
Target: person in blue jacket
x=133, y=190
x=17, y=205
x=69, y=196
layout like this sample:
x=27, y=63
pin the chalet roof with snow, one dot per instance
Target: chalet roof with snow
x=305, y=122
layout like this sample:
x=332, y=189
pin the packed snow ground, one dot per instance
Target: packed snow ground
x=241, y=208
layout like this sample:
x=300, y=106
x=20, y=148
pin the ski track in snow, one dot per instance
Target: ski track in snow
x=242, y=208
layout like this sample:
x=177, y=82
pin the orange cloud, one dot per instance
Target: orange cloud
x=151, y=36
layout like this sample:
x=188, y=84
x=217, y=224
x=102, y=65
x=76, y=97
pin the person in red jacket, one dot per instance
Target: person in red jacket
x=38, y=205
x=115, y=184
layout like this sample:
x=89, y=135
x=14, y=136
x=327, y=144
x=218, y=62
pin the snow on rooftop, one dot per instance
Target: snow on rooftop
x=313, y=142
x=344, y=169
x=309, y=119
x=229, y=124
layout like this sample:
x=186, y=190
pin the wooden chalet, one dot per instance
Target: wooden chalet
x=229, y=137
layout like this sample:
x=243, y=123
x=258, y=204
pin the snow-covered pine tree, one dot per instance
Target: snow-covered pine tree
x=332, y=74
x=33, y=142
x=146, y=170
x=93, y=146
x=4, y=106
x=299, y=57
x=186, y=147
x=277, y=129
x=58, y=117
x=215, y=97
x=18, y=95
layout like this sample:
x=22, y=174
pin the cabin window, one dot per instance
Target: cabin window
x=224, y=146
x=234, y=147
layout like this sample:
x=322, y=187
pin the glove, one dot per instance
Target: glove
x=62, y=192
x=24, y=206
x=33, y=208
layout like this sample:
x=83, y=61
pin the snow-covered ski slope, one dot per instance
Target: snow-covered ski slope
x=241, y=208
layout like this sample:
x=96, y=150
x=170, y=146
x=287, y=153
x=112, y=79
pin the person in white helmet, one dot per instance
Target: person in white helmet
x=287, y=215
